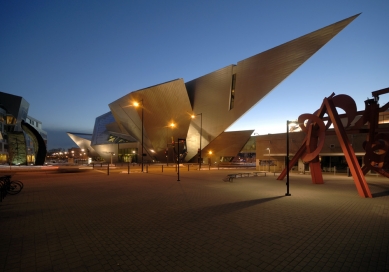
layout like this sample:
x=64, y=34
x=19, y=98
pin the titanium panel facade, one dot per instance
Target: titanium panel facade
x=38, y=142
x=83, y=142
x=217, y=100
x=210, y=95
x=19, y=138
x=258, y=75
x=162, y=105
x=100, y=132
x=228, y=144
x=255, y=78
x=15, y=105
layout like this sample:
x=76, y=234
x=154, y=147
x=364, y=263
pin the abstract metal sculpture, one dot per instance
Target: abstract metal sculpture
x=376, y=144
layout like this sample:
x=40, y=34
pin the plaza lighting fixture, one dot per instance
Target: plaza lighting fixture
x=287, y=155
x=269, y=157
x=201, y=134
x=171, y=125
x=136, y=104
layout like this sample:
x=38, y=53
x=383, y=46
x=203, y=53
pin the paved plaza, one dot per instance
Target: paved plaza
x=91, y=221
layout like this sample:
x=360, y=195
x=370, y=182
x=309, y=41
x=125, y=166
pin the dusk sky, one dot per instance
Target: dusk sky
x=70, y=59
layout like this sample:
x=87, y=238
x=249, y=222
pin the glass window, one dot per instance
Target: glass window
x=232, y=93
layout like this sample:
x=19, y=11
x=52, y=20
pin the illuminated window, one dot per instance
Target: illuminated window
x=383, y=118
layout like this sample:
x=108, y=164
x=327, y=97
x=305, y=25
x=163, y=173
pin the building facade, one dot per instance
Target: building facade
x=21, y=143
x=30, y=144
x=153, y=123
x=271, y=149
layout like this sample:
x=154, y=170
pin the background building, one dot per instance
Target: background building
x=31, y=147
x=22, y=139
x=271, y=149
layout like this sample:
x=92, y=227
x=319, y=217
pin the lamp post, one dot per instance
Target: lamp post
x=112, y=154
x=136, y=104
x=171, y=125
x=287, y=156
x=133, y=155
x=201, y=134
x=167, y=147
x=268, y=149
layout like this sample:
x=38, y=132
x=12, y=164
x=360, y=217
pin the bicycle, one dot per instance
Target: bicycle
x=9, y=186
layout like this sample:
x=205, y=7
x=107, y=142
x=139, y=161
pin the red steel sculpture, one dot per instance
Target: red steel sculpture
x=376, y=144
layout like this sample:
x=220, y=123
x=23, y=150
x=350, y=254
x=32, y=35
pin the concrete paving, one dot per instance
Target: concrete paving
x=91, y=221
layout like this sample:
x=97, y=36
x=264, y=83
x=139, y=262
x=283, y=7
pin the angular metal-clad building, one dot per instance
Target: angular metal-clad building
x=20, y=141
x=216, y=99
x=226, y=146
x=163, y=105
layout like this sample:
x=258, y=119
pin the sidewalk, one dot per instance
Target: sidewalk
x=90, y=221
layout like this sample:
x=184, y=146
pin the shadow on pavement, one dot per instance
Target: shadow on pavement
x=380, y=186
x=217, y=210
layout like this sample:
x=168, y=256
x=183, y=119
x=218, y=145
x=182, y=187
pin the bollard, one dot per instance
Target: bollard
x=178, y=172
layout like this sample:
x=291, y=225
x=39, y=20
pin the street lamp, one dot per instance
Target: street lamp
x=201, y=134
x=133, y=155
x=269, y=157
x=210, y=155
x=171, y=125
x=112, y=154
x=287, y=156
x=136, y=104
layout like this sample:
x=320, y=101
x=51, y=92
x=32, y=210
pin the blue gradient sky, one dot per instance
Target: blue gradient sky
x=70, y=59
